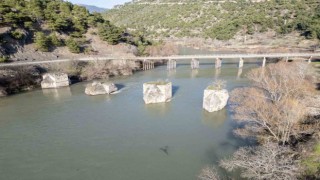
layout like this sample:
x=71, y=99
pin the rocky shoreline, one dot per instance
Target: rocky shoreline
x=15, y=80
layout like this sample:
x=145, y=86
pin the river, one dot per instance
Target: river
x=65, y=134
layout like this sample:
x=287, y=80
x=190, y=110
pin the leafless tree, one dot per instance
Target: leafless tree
x=272, y=108
x=265, y=119
x=209, y=173
x=282, y=80
x=269, y=161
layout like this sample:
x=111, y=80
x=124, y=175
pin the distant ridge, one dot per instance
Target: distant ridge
x=92, y=9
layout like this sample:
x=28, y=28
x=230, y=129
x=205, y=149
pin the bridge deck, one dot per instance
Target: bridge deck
x=177, y=57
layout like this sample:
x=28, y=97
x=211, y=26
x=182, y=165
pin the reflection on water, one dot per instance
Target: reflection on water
x=160, y=109
x=214, y=120
x=194, y=73
x=57, y=94
x=77, y=137
x=239, y=73
x=217, y=73
x=172, y=72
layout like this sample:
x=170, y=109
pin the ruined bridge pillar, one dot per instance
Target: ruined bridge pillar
x=218, y=63
x=241, y=61
x=264, y=62
x=195, y=64
x=310, y=60
x=172, y=64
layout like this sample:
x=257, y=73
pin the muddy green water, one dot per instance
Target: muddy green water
x=64, y=134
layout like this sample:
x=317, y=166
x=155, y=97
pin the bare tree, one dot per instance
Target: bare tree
x=282, y=80
x=269, y=161
x=264, y=119
x=272, y=109
x=208, y=173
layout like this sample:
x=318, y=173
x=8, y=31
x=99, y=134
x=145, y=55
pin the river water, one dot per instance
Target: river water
x=65, y=134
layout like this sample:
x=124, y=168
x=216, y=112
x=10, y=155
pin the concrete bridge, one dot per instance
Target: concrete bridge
x=148, y=62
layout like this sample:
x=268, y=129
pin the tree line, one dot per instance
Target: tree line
x=219, y=20
x=54, y=23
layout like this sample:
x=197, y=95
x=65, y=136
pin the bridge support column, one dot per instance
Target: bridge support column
x=264, y=62
x=218, y=63
x=146, y=65
x=310, y=60
x=287, y=59
x=195, y=64
x=241, y=61
x=172, y=64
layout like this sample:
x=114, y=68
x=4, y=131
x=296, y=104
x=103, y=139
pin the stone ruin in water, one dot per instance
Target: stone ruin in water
x=215, y=97
x=157, y=92
x=55, y=80
x=98, y=88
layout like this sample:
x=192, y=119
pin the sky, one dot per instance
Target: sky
x=100, y=3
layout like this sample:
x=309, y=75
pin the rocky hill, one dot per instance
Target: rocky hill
x=48, y=29
x=220, y=20
x=93, y=9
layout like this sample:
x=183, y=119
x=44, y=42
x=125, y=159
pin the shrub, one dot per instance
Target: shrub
x=4, y=59
x=73, y=45
x=55, y=41
x=42, y=42
x=312, y=162
x=17, y=34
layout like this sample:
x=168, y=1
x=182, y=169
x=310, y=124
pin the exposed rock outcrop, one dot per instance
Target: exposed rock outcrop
x=3, y=92
x=215, y=99
x=313, y=105
x=98, y=88
x=157, y=92
x=55, y=80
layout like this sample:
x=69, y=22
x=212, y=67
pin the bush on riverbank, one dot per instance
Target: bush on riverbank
x=274, y=111
x=4, y=59
x=18, y=79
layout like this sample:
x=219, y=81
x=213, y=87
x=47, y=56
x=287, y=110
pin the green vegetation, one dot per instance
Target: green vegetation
x=56, y=41
x=4, y=59
x=109, y=33
x=56, y=23
x=73, y=45
x=218, y=20
x=17, y=34
x=312, y=162
x=42, y=42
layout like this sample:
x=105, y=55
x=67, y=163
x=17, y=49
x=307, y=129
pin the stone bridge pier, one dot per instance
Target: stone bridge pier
x=218, y=63
x=310, y=60
x=172, y=64
x=264, y=61
x=195, y=64
x=241, y=62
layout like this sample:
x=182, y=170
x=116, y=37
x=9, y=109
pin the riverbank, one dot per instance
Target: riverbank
x=280, y=110
x=267, y=42
x=25, y=78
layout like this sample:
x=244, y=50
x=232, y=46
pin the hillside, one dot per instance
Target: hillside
x=42, y=29
x=93, y=9
x=220, y=20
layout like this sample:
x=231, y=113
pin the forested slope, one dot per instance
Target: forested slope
x=54, y=23
x=218, y=19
